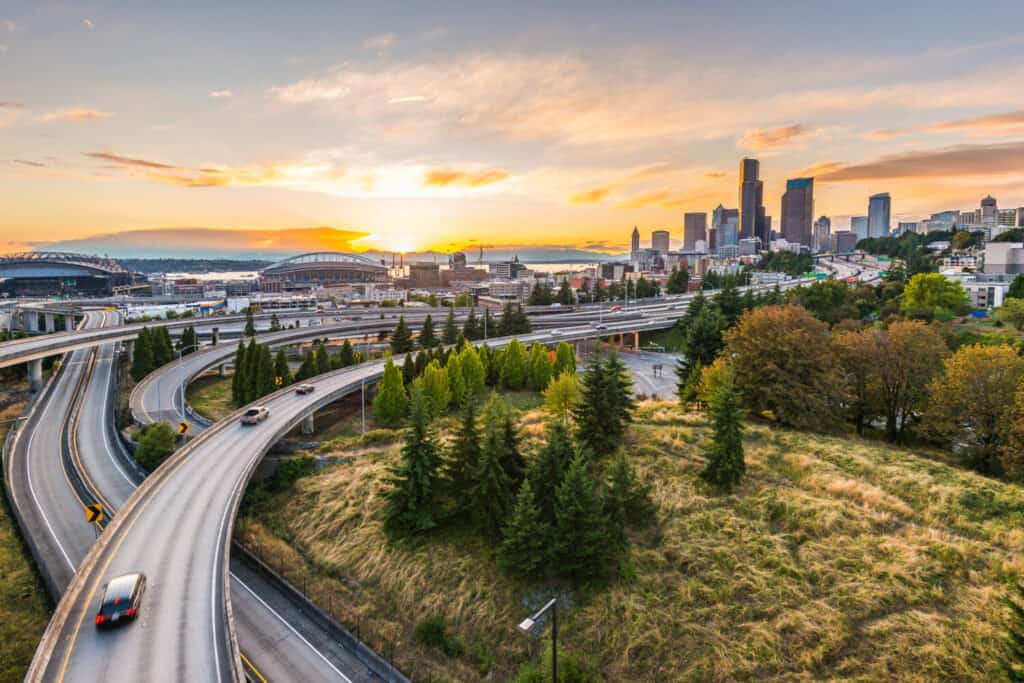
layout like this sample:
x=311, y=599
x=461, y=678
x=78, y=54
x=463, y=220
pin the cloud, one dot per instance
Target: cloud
x=593, y=196
x=88, y=24
x=472, y=179
x=221, y=93
x=75, y=114
x=715, y=175
x=647, y=199
x=408, y=98
x=772, y=138
x=1006, y=123
x=384, y=41
x=882, y=134
x=25, y=162
x=948, y=162
x=11, y=105
x=128, y=161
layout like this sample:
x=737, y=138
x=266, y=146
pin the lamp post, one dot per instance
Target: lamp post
x=526, y=626
x=181, y=374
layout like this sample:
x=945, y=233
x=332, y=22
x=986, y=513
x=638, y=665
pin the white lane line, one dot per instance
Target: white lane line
x=291, y=628
x=106, y=435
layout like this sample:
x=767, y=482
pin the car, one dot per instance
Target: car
x=554, y=333
x=303, y=389
x=599, y=326
x=122, y=597
x=255, y=415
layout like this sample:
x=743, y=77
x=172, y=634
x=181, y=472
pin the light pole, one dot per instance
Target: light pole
x=526, y=626
x=181, y=373
x=362, y=401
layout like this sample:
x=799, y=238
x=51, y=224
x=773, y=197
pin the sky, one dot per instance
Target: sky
x=450, y=125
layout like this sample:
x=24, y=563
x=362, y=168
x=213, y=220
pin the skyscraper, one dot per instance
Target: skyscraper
x=822, y=240
x=725, y=225
x=751, y=217
x=859, y=226
x=989, y=211
x=798, y=210
x=635, y=243
x=695, y=227
x=660, y=241
x=879, y=207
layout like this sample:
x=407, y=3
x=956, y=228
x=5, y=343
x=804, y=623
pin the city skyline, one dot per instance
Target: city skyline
x=418, y=129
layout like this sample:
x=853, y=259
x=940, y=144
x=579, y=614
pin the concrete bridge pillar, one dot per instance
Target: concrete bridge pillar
x=636, y=340
x=31, y=319
x=222, y=369
x=214, y=338
x=307, y=424
x=35, y=375
x=51, y=323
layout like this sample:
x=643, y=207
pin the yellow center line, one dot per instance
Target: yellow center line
x=252, y=667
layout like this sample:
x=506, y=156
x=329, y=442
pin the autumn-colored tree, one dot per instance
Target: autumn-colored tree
x=562, y=395
x=909, y=358
x=857, y=352
x=1012, y=313
x=971, y=403
x=783, y=365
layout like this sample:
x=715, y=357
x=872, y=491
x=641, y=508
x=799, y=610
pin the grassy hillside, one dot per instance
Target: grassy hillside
x=835, y=558
x=24, y=612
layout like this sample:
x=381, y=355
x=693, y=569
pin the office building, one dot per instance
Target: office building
x=695, y=226
x=424, y=275
x=751, y=196
x=749, y=246
x=879, y=210
x=989, y=212
x=1020, y=217
x=506, y=270
x=660, y=241
x=798, y=211
x=1004, y=257
x=634, y=244
x=844, y=241
x=822, y=240
x=859, y=226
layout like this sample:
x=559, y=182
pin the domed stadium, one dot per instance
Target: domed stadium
x=46, y=273
x=319, y=269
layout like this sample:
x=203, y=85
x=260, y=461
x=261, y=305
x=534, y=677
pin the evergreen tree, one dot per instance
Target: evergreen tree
x=238, y=374
x=307, y=369
x=275, y=323
x=415, y=483
x=606, y=406
x=499, y=425
x=471, y=328
x=513, y=367
x=548, y=468
x=282, y=373
x=565, y=293
x=250, y=324
x=463, y=458
x=249, y=385
x=450, y=332
x=347, y=355
x=391, y=402
x=725, y=466
x=506, y=325
x=187, y=342
x=702, y=340
x=323, y=359
x=163, y=350
x=678, y=281
x=565, y=359
x=401, y=337
x=1013, y=657
x=582, y=542
x=427, y=339
x=434, y=384
x=409, y=369
x=264, y=372
x=729, y=304
x=1016, y=290
x=456, y=380
x=525, y=548
x=487, y=330
x=521, y=322
x=628, y=501
x=492, y=489
x=539, y=367
x=472, y=371
x=688, y=380
x=142, y=357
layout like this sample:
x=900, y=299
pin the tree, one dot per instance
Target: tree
x=323, y=359
x=473, y=372
x=513, y=367
x=712, y=377
x=401, y=337
x=347, y=355
x=434, y=385
x=275, y=323
x=307, y=369
x=142, y=356
x=582, y=542
x=1013, y=644
x=156, y=443
x=471, y=328
x=524, y=550
x=627, y=501
x=409, y=369
x=605, y=406
x=565, y=359
x=450, y=332
x=930, y=291
x=728, y=301
x=391, y=402
x=858, y=352
x=250, y=324
x=163, y=350
x=237, y=375
x=547, y=469
x=1012, y=312
x=725, y=466
x=427, y=338
x=1016, y=290
x=464, y=458
x=539, y=367
x=492, y=488
x=971, y=403
x=687, y=381
x=562, y=395
x=282, y=373
x=187, y=342
x=250, y=389
x=910, y=355
x=264, y=372
x=678, y=281
x=565, y=293
x=783, y=364
x=414, y=484
x=541, y=295
x=702, y=340
x=456, y=380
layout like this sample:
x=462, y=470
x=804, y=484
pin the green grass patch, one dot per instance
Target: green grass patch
x=210, y=396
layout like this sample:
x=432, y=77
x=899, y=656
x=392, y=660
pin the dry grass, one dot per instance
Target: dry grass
x=835, y=559
x=210, y=396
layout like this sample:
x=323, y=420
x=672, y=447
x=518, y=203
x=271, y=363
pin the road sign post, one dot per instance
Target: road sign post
x=94, y=513
x=183, y=427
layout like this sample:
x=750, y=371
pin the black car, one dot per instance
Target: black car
x=121, y=600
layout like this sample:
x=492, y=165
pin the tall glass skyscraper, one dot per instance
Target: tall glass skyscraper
x=752, y=223
x=879, y=208
x=798, y=210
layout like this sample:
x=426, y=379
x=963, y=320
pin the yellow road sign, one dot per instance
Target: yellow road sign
x=94, y=513
x=279, y=380
x=183, y=427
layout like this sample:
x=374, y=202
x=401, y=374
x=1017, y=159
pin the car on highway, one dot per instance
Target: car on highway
x=121, y=600
x=303, y=389
x=255, y=415
x=599, y=326
x=554, y=333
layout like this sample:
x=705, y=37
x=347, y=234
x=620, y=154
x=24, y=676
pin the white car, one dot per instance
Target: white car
x=554, y=333
x=255, y=415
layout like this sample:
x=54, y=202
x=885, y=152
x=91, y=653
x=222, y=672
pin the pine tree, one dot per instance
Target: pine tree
x=628, y=501
x=513, y=366
x=275, y=323
x=521, y=322
x=434, y=385
x=282, y=373
x=323, y=359
x=415, y=483
x=427, y=339
x=702, y=340
x=401, y=337
x=565, y=359
x=540, y=367
x=264, y=372
x=249, y=385
x=565, y=293
x=472, y=371
x=456, y=380
x=506, y=325
x=548, y=468
x=307, y=369
x=1013, y=656
x=450, y=332
x=525, y=549
x=471, y=328
x=347, y=355
x=408, y=369
x=163, y=350
x=725, y=466
x=487, y=329
x=582, y=542
x=463, y=458
x=142, y=357
x=421, y=362
x=391, y=402
x=238, y=374
x=492, y=490
x=500, y=429
x=688, y=380
x=605, y=408
x=250, y=324
x=729, y=303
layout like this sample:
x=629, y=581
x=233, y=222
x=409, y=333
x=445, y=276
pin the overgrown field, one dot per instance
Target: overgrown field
x=835, y=558
x=210, y=396
x=24, y=611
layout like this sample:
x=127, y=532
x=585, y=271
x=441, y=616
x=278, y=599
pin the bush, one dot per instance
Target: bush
x=291, y=470
x=432, y=632
x=156, y=443
x=571, y=669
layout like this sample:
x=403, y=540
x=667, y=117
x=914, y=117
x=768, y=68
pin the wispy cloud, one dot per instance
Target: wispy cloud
x=384, y=41
x=593, y=196
x=1006, y=123
x=217, y=94
x=88, y=24
x=715, y=175
x=408, y=98
x=471, y=179
x=947, y=162
x=761, y=139
x=127, y=161
x=882, y=134
x=26, y=162
x=75, y=114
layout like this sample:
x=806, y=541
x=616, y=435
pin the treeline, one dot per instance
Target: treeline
x=544, y=295
x=513, y=321
x=258, y=373
x=154, y=349
x=641, y=288
x=564, y=512
x=786, y=262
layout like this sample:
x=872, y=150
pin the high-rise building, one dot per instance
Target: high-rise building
x=660, y=240
x=798, y=211
x=1008, y=217
x=879, y=209
x=989, y=211
x=1020, y=217
x=635, y=241
x=844, y=241
x=752, y=218
x=822, y=240
x=695, y=227
x=859, y=226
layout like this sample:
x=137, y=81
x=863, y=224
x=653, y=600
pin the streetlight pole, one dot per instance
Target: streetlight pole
x=362, y=401
x=526, y=626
